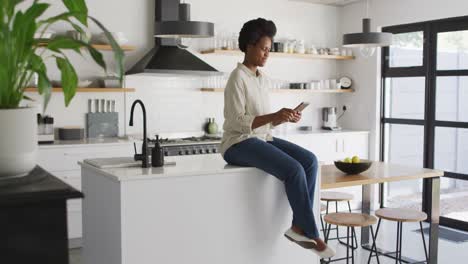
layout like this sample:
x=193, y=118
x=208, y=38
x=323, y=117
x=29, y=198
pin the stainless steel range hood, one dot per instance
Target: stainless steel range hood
x=168, y=56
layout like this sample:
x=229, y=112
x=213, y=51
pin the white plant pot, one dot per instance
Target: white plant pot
x=18, y=141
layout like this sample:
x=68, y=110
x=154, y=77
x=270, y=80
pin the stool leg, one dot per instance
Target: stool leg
x=401, y=240
x=374, y=244
x=424, y=242
x=337, y=227
x=347, y=242
x=374, y=238
x=354, y=234
x=327, y=230
x=397, y=242
x=352, y=247
x=321, y=222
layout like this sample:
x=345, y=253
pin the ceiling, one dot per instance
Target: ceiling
x=329, y=2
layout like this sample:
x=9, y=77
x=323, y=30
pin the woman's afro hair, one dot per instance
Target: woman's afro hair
x=254, y=30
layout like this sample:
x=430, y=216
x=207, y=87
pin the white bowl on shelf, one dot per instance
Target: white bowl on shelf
x=84, y=83
x=118, y=36
x=45, y=36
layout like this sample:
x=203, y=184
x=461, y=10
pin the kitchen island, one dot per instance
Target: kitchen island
x=199, y=210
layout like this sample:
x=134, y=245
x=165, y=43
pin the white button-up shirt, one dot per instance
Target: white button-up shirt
x=245, y=97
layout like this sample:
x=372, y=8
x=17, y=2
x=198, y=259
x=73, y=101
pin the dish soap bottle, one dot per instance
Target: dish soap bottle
x=157, y=154
x=212, y=127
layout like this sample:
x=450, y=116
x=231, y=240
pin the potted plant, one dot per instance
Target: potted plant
x=21, y=56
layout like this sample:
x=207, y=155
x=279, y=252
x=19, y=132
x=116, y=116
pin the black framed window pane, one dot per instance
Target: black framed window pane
x=404, y=97
x=452, y=98
x=451, y=150
x=404, y=145
x=452, y=50
x=454, y=194
x=407, y=49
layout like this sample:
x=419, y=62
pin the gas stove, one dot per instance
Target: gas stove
x=188, y=145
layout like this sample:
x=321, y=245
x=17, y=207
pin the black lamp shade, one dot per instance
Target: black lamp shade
x=367, y=38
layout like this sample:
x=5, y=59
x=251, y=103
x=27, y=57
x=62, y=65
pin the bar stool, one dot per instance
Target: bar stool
x=400, y=216
x=323, y=208
x=350, y=221
x=338, y=197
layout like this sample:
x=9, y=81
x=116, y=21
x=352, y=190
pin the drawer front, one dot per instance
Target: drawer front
x=64, y=159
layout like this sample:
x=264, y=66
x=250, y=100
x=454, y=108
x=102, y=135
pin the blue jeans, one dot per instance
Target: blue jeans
x=295, y=166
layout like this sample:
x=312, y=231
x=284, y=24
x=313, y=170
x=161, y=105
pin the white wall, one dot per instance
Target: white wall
x=316, y=24
x=365, y=104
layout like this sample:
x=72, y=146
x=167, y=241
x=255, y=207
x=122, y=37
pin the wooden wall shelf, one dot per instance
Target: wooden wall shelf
x=105, y=47
x=280, y=54
x=88, y=90
x=213, y=90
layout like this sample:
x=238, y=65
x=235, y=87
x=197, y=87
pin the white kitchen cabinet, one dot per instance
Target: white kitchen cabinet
x=331, y=146
x=354, y=144
x=62, y=162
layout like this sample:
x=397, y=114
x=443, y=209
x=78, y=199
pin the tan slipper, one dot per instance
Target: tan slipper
x=308, y=243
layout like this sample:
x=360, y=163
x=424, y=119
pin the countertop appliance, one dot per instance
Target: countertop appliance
x=188, y=145
x=172, y=21
x=329, y=118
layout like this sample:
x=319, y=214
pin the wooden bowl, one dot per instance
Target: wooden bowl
x=353, y=168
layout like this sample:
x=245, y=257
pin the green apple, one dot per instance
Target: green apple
x=347, y=160
x=355, y=159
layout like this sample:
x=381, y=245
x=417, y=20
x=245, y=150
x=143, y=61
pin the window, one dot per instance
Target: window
x=425, y=112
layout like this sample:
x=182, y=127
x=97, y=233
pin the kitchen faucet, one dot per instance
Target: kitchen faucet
x=144, y=155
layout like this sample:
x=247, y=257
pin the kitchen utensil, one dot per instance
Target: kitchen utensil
x=329, y=118
x=157, y=154
x=56, y=83
x=90, y=105
x=45, y=129
x=299, y=47
x=47, y=35
x=70, y=133
x=212, y=126
x=113, y=106
x=85, y=37
x=108, y=107
x=353, y=168
x=111, y=82
x=96, y=105
x=118, y=36
x=84, y=83
x=103, y=105
x=101, y=125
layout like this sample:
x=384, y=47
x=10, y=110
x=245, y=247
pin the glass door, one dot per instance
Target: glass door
x=425, y=113
x=403, y=111
x=450, y=79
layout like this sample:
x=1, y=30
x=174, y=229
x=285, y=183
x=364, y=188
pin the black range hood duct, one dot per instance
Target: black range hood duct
x=168, y=55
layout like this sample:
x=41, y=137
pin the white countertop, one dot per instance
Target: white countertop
x=87, y=141
x=131, y=139
x=316, y=131
x=196, y=165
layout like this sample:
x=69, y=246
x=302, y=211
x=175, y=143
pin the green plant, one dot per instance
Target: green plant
x=21, y=55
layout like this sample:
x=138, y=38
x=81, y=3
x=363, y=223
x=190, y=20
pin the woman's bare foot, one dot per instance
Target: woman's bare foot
x=320, y=244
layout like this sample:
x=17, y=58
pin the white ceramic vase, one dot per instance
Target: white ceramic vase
x=18, y=141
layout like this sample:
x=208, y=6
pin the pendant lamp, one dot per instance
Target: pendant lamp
x=367, y=41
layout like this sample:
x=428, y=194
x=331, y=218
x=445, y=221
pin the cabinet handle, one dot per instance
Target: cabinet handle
x=336, y=146
x=343, y=145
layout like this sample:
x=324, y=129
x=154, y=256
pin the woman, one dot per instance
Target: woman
x=247, y=139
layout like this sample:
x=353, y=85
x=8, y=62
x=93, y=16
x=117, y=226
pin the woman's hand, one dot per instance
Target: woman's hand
x=297, y=117
x=286, y=115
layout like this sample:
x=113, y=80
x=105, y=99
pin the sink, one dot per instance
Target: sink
x=118, y=162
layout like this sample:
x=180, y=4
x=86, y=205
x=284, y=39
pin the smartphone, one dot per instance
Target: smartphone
x=301, y=106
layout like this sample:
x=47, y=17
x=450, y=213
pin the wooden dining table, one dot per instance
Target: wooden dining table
x=382, y=172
